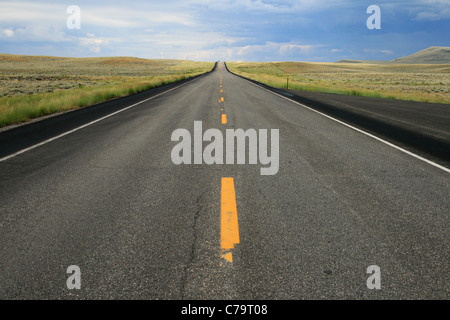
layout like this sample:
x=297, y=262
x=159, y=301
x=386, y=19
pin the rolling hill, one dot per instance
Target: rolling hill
x=433, y=55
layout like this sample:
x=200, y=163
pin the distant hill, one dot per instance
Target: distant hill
x=435, y=55
x=363, y=61
x=431, y=55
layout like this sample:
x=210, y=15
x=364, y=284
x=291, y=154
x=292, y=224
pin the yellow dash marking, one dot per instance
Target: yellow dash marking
x=229, y=233
x=221, y=90
x=224, y=118
x=222, y=99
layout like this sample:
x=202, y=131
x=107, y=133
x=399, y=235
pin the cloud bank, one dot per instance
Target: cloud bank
x=246, y=30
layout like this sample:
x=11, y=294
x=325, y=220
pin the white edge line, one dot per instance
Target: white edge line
x=360, y=131
x=88, y=124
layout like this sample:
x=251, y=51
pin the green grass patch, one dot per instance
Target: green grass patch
x=426, y=83
x=38, y=89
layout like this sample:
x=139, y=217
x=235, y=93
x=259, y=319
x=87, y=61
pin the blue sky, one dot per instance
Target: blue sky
x=208, y=30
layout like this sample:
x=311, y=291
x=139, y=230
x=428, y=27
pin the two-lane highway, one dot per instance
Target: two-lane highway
x=109, y=199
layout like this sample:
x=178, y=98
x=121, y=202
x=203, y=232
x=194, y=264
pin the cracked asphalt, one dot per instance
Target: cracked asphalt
x=108, y=199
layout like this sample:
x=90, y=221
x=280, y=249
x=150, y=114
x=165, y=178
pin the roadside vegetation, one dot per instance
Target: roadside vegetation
x=414, y=82
x=33, y=86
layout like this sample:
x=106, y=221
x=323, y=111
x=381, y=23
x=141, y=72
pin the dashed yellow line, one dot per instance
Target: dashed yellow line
x=224, y=118
x=229, y=232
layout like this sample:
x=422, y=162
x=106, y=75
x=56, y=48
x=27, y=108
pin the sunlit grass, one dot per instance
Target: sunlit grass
x=426, y=83
x=38, y=86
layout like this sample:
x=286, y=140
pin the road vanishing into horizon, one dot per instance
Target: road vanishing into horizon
x=97, y=188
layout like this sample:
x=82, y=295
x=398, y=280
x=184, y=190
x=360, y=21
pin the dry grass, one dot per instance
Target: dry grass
x=416, y=82
x=32, y=86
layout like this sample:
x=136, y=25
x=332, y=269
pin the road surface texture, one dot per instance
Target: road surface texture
x=107, y=198
x=423, y=128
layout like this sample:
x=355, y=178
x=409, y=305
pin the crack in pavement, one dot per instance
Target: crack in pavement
x=184, y=279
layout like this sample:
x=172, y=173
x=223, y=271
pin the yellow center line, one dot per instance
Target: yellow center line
x=224, y=118
x=229, y=235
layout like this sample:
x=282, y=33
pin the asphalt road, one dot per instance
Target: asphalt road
x=108, y=199
x=423, y=128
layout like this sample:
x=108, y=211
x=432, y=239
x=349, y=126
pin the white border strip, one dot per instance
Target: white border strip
x=88, y=124
x=359, y=130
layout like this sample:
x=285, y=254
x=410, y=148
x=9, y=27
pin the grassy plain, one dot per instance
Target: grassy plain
x=415, y=82
x=33, y=86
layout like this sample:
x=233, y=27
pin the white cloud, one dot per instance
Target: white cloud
x=378, y=51
x=270, y=51
x=433, y=16
x=21, y=12
x=41, y=33
x=281, y=49
x=94, y=45
x=290, y=49
x=119, y=16
x=264, y=6
x=33, y=22
x=430, y=10
x=8, y=32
